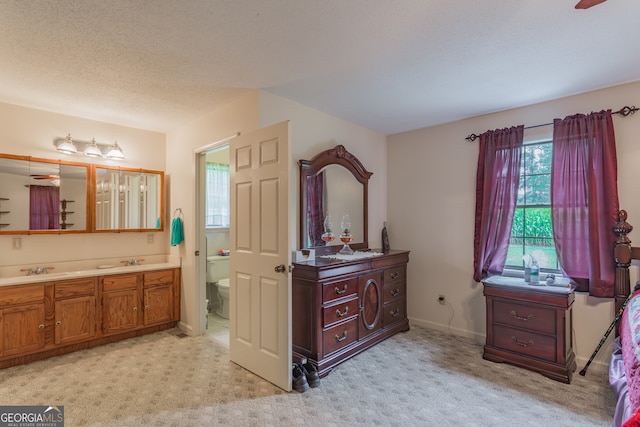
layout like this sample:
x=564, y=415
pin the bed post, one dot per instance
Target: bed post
x=622, y=256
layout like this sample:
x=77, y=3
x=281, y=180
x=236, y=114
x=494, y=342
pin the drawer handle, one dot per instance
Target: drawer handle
x=521, y=343
x=340, y=292
x=343, y=337
x=394, y=313
x=342, y=314
x=394, y=275
x=524, y=319
x=395, y=292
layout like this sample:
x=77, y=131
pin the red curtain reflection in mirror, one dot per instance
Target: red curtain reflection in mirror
x=44, y=207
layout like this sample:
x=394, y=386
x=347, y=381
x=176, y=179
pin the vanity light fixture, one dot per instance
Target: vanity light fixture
x=115, y=152
x=92, y=150
x=66, y=146
x=89, y=149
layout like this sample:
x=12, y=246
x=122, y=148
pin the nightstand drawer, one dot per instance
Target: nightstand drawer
x=335, y=290
x=524, y=316
x=340, y=336
x=525, y=342
x=339, y=312
x=395, y=274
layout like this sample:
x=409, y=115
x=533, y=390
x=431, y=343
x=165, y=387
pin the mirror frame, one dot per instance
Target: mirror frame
x=94, y=178
x=335, y=156
x=88, y=190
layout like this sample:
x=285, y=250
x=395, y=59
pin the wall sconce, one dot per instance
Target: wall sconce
x=90, y=149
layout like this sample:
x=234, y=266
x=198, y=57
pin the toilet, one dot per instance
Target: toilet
x=218, y=275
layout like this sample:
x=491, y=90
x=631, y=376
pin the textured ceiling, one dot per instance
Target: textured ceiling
x=387, y=65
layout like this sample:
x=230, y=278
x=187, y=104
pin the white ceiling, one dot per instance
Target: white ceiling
x=390, y=66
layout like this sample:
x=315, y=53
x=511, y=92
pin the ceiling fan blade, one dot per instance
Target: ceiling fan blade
x=586, y=4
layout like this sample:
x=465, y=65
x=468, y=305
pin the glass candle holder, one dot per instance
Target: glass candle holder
x=328, y=236
x=346, y=237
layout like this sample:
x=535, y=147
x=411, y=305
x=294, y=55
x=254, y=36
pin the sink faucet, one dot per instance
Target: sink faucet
x=132, y=261
x=36, y=270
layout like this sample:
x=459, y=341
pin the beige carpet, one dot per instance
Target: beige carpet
x=418, y=378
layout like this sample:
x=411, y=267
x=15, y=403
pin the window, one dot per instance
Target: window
x=217, y=199
x=532, y=231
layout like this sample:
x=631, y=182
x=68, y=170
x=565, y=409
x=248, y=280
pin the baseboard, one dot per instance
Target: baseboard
x=187, y=329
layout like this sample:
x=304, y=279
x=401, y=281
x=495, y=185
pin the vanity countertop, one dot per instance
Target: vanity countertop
x=102, y=271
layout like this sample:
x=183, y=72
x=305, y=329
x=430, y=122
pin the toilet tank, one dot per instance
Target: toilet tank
x=217, y=268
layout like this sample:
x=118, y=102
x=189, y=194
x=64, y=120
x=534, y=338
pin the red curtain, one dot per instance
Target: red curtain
x=315, y=209
x=584, y=199
x=496, y=194
x=44, y=207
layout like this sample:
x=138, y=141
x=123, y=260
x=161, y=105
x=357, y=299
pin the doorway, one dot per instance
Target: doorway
x=214, y=205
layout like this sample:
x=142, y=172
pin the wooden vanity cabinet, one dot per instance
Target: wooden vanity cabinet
x=75, y=310
x=341, y=308
x=22, y=319
x=46, y=319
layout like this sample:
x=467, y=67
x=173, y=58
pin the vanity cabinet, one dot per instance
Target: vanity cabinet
x=22, y=319
x=75, y=310
x=119, y=303
x=46, y=319
x=341, y=308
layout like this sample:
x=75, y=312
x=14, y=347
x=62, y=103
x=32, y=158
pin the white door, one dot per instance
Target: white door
x=260, y=293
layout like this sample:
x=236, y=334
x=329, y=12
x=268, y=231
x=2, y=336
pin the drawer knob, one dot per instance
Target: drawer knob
x=343, y=337
x=524, y=319
x=41, y=326
x=58, y=323
x=343, y=313
x=135, y=308
x=394, y=275
x=394, y=313
x=341, y=291
x=521, y=343
x=395, y=292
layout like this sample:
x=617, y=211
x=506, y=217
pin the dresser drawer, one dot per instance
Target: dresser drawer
x=525, y=342
x=394, y=291
x=394, y=274
x=524, y=316
x=74, y=288
x=338, y=312
x=335, y=290
x=340, y=336
x=115, y=283
x=393, y=312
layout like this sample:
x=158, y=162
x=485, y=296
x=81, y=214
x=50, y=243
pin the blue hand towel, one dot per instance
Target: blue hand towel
x=177, y=231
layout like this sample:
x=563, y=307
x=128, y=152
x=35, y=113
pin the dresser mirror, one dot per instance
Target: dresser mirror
x=334, y=182
x=40, y=196
x=128, y=199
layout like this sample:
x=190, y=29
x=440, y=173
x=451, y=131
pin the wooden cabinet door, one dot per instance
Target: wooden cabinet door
x=158, y=304
x=75, y=319
x=370, y=297
x=119, y=311
x=21, y=329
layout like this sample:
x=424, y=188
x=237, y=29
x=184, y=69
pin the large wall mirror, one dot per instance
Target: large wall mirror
x=39, y=196
x=333, y=183
x=128, y=199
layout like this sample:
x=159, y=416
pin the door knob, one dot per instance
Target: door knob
x=280, y=268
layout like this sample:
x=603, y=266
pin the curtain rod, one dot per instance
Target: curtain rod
x=624, y=112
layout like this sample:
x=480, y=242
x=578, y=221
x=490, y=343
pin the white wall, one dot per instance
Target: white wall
x=30, y=132
x=312, y=132
x=240, y=115
x=431, y=204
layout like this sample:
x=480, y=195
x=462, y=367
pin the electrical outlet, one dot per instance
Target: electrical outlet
x=441, y=299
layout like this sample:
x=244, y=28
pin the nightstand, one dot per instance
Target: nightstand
x=530, y=326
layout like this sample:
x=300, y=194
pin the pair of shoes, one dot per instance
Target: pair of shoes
x=300, y=383
x=311, y=372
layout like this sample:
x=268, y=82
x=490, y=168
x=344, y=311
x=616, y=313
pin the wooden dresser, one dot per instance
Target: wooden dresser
x=341, y=308
x=530, y=326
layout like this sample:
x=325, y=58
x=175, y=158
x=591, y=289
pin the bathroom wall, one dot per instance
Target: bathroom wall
x=432, y=204
x=31, y=132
